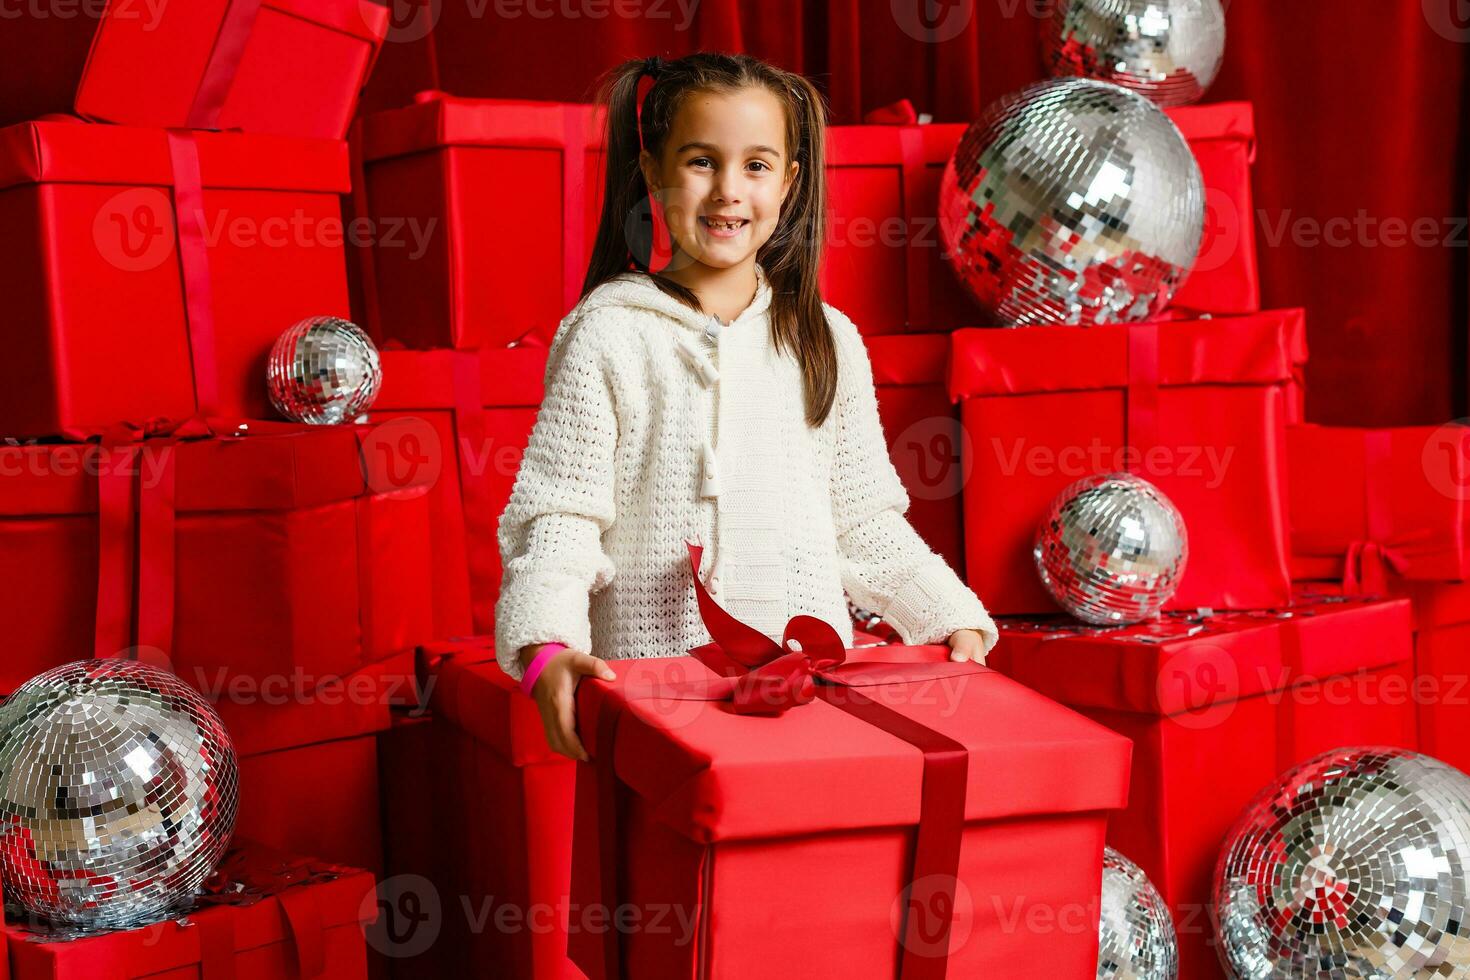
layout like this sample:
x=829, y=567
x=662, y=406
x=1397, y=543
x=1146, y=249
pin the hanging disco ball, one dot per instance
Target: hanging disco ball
x=1135, y=933
x=324, y=370
x=1112, y=549
x=1073, y=201
x=118, y=786
x=1168, y=51
x=1354, y=865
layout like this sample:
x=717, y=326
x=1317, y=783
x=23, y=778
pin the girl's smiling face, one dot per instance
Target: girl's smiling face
x=724, y=173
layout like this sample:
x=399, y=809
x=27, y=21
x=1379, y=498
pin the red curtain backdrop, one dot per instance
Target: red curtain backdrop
x=1360, y=177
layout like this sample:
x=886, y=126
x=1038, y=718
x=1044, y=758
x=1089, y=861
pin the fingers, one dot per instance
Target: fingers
x=558, y=717
x=586, y=664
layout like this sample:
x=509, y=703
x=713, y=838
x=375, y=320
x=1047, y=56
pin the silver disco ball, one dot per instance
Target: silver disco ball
x=1354, y=865
x=1168, y=51
x=324, y=370
x=118, y=786
x=1112, y=549
x=1135, y=933
x=1073, y=201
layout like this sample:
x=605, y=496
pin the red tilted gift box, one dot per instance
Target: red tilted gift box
x=289, y=67
x=503, y=818
x=263, y=914
x=884, y=265
x=924, y=434
x=149, y=271
x=474, y=412
x=456, y=259
x=784, y=845
x=1197, y=407
x=1369, y=502
x=289, y=554
x=1217, y=707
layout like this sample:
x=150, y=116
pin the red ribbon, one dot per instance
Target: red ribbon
x=757, y=676
x=1369, y=561
x=235, y=29
x=194, y=269
x=1142, y=419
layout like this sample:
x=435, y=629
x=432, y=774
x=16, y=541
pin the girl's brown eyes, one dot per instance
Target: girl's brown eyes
x=762, y=164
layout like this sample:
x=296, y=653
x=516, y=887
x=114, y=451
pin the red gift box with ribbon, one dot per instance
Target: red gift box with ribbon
x=150, y=271
x=1441, y=675
x=834, y=813
x=289, y=555
x=884, y=265
x=476, y=410
x=924, y=435
x=1217, y=707
x=1368, y=504
x=262, y=914
x=1197, y=407
x=287, y=67
x=438, y=273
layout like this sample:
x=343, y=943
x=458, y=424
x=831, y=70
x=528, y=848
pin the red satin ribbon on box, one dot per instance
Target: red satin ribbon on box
x=1368, y=562
x=759, y=677
x=224, y=63
x=1142, y=418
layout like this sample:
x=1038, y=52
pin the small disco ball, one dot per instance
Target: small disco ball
x=324, y=370
x=1073, y=201
x=1168, y=51
x=1355, y=864
x=1112, y=549
x=1135, y=933
x=118, y=786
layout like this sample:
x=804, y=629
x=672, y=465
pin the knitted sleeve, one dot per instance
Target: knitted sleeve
x=550, y=534
x=886, y=566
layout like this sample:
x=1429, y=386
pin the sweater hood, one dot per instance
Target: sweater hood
x=636, y=290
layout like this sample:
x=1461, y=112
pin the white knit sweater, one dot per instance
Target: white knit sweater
x=653, y=432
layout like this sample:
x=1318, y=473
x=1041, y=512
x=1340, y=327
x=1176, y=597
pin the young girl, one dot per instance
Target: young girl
x=717, y=399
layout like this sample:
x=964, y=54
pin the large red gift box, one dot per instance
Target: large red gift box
x=263, y=914
x=150, y=271
x=885, y=267
x=448, y=264
x=474, y=413
x=924, y=435
x=1197, y=407
x=1367, y=503
x=841, y=799
x=289, y=555
x=1217, y=707
x=289, y=67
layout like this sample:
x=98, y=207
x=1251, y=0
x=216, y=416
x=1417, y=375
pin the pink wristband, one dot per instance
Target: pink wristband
x=538, y=663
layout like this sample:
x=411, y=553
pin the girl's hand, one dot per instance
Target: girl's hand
x=555, y=693
x=967, y=645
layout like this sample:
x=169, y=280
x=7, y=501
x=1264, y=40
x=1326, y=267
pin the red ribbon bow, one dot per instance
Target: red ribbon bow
x=1366, y=568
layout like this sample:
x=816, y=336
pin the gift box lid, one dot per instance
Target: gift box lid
x=259, y=896
x=908, y=359
x=71, y=151
x=465, y=686
x=883, y=144
x=1185, y=662
x=290, y=712
x=277, y=466
x=508, y=377
x=437, y=120
x=713, y=774
x=1253, y=349
x=1216, y=121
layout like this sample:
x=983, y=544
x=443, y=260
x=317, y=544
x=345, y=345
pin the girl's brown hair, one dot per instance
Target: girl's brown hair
x=792, y=255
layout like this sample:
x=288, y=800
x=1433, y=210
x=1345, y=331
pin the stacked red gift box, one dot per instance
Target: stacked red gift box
x=171, y=186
